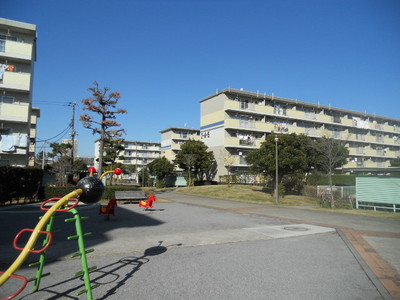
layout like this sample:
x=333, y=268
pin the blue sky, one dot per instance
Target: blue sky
x=164, y=56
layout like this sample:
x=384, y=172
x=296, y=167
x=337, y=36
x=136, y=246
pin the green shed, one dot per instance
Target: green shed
x=378, y=192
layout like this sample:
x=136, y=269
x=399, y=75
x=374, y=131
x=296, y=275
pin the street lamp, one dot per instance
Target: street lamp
x=276, y=170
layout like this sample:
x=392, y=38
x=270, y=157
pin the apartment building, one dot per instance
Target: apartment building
x=136, y=153
x=139, y=153
x=18, y=118
x=172, y=138
x=35, y=115
x=70, y=152
x=233, y=122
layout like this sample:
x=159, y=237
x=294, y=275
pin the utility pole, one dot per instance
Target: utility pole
x=73, y=132
x=43, y=154
x=276, y=139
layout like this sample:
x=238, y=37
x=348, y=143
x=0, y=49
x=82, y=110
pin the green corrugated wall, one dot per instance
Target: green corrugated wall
x=378, y=189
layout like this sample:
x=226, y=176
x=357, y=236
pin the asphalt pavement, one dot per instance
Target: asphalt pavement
x=190, y=247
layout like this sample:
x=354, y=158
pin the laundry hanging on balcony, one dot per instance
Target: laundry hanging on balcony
x=7, y=143
x=21, y=141
x=4, y=67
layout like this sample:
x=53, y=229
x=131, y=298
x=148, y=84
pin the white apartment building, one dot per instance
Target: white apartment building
x=233, y=122
x=18, y=118
x=139, y=154
x=136, y=153
x=69, y=141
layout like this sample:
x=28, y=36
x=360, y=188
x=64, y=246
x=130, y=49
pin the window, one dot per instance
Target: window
x=244, y=104
x=5, y=130
x=279, y=109
x=7, y=99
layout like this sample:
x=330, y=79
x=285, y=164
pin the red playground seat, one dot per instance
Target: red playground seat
x=148, y=203
x=109, y=209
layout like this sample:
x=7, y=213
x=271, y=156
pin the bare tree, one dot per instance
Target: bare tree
x=104, y=104
x=332, y=154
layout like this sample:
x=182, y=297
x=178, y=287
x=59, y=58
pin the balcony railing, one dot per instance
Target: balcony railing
x=16, y=80
x=16, y=49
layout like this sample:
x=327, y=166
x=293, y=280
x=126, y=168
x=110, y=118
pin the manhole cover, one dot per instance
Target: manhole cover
x=296, y=228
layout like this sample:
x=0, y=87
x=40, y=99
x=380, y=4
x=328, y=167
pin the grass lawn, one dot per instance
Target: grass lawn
x=255, y=194
x=245, y=193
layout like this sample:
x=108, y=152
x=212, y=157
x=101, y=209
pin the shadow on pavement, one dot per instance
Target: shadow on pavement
x=101, y=229
x=106, y=275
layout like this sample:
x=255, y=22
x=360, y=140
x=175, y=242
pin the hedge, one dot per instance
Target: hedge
x=61, y=191
x=19, y=183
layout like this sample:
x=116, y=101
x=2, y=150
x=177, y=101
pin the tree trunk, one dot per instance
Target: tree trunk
x=331, y=188
x=101, y=150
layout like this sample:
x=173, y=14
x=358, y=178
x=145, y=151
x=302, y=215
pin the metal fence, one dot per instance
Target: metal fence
x=343, y=192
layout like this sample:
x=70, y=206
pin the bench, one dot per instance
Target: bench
x=130, y=195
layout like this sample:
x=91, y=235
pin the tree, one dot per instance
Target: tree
x=196, y=160
x=112, y=150
x=79, y=165
x=331, y=154
x=62, y=160
x=104, y=104
x=395, y=162
x=41, y=159
x=160, y=168
x=144, y=176
x=295, y=157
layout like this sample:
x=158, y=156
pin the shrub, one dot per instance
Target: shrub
x=61, y=191
x=337, y=179
x=17, y=183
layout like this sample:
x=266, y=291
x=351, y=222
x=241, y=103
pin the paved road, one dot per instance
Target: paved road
x=200, y=248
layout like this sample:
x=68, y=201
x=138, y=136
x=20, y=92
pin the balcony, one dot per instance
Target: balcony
x=250, y=143
x=16, y=81
x=15, y=146
x=251, y=107
x=16, y=50
x=235, y=160
x=14, y=112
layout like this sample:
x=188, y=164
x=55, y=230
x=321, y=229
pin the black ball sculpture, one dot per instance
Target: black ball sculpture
x=93, y=189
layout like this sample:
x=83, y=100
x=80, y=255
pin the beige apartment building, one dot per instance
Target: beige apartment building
x=18, y=118
x=172, y=138
x=233, y=122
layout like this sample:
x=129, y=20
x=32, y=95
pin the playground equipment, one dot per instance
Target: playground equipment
x=148, y=203
x=89, y=190
x=109, y=209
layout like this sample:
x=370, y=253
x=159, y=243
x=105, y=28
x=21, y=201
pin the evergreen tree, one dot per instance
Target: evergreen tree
x=104, y=105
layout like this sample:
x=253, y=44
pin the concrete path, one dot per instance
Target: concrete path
x=374, y=241
x=190, y=247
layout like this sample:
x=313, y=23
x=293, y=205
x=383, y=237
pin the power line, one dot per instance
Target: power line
x=61, y=133
x=51, y=103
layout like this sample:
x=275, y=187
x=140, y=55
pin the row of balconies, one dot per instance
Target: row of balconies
x=240, y=160
x=313, y=132
x=142, y=156
x=254, y=144
x=137, y=162
x=138, y=148
x=374, y=152
x=296, y=115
